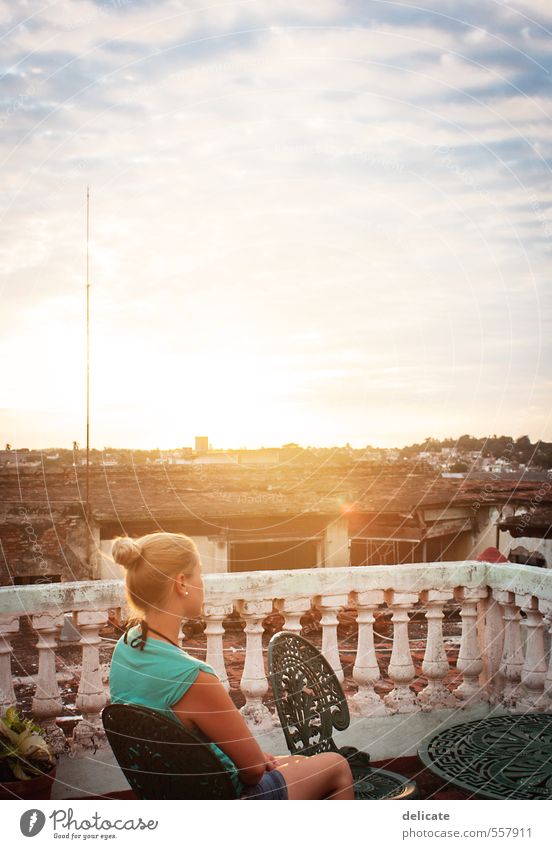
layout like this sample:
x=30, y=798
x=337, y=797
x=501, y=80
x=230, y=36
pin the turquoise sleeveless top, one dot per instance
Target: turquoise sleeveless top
x=157, y=678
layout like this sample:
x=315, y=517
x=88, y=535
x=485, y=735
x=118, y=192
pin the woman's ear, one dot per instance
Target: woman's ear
x=180, y=584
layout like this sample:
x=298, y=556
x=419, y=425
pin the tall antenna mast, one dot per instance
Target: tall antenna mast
x=87, y=375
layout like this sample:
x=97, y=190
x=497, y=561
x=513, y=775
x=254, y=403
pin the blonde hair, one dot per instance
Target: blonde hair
x=151, y=563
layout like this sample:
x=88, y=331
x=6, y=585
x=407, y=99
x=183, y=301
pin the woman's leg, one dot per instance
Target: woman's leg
x=324, y=776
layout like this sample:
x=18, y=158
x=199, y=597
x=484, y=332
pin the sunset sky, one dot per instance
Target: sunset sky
x=325, y=221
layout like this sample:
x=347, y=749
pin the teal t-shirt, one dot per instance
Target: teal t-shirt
x=157, y=678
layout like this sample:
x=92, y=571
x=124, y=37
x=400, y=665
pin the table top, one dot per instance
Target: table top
x=500, y=757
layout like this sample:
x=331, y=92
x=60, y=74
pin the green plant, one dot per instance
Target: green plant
x=23, y=748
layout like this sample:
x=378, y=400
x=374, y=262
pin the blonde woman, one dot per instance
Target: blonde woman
x=164, y=585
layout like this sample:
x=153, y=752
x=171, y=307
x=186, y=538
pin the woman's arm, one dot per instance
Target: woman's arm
x=209, y=706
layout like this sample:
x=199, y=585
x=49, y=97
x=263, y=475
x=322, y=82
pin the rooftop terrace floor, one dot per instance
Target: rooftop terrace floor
x=107, y=774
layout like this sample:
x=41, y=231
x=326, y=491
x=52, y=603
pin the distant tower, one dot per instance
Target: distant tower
x=202, y=444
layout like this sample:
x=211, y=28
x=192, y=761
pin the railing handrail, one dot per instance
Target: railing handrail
x=265, y=585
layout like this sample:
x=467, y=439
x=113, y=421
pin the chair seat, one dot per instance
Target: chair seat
x=382, y=784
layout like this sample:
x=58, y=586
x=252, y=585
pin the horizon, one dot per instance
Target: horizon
x=217, y=448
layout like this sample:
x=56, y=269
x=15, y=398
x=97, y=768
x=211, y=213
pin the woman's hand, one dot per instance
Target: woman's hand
x=271, y=762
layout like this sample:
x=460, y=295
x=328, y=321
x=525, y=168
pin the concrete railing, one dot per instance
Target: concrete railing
x=493, y=665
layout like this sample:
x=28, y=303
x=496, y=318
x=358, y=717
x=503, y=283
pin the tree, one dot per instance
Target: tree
x=458, y=467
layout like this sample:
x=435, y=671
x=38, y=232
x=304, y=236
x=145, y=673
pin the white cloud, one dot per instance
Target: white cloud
x=382, y=188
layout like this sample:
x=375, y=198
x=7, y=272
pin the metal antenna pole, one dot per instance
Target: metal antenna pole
x=87, y=376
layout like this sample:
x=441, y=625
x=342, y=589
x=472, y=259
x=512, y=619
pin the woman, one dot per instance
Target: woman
x=148, y=667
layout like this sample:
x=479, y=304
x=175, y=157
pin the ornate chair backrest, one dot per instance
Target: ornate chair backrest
x=161, y=759
x=308, y=696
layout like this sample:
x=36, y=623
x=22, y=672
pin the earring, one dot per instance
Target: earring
x=186, y=594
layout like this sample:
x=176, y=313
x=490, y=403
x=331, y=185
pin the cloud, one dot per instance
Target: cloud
x=375, y=176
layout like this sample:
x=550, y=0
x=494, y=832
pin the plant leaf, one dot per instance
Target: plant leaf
x=18, y=771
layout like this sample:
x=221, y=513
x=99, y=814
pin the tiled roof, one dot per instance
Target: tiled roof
x=210, y=491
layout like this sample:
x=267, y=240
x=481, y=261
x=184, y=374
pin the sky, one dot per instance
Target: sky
x=315, y=222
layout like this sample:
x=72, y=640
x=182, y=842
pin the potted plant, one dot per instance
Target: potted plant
x=27, y=764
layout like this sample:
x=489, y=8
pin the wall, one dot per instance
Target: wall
x=37, y=542
x=336, y=543
x=541, y=546
x=213, y=553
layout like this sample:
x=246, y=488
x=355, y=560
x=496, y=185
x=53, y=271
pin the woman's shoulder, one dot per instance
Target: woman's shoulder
x=196, y=662
x=159, y=653
x=175, y=656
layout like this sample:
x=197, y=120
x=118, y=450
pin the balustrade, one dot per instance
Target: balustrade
x=492, y=664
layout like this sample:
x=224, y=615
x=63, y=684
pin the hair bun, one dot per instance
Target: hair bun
x=125, y=551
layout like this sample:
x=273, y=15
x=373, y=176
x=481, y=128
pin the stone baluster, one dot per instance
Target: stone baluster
x=9, y=625
x=214, y=631
x=366, y=673
x=533, y=673
x=546, y=608
x=435, y=666
x=254, y=683
x=491, y=644
x=293, y=609
x=512, y=653
x=91, y=695
x=401, y=670
x=46, y=705
x=329, y=605
x=470, y=662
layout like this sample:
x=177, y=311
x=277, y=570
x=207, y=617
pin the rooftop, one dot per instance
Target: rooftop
x=210, y=492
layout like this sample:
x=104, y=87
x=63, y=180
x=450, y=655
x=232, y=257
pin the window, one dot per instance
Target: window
x=259, y=555
x=379, y=552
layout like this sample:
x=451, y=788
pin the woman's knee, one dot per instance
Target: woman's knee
x=344, y=768
x=322, y=776
x=338, y=765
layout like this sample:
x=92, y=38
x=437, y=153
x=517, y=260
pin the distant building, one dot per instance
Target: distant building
x=259, y=457
x=202, y=444
x=215, y=457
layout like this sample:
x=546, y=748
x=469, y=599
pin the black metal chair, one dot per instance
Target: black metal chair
x=311, y=703
x=161, y=759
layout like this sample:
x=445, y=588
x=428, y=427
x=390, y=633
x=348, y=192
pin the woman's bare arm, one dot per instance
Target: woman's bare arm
x=209, y=706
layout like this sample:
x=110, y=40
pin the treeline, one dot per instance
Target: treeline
x=537, y=455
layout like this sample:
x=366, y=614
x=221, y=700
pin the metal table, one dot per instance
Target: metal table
x=500, y=757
